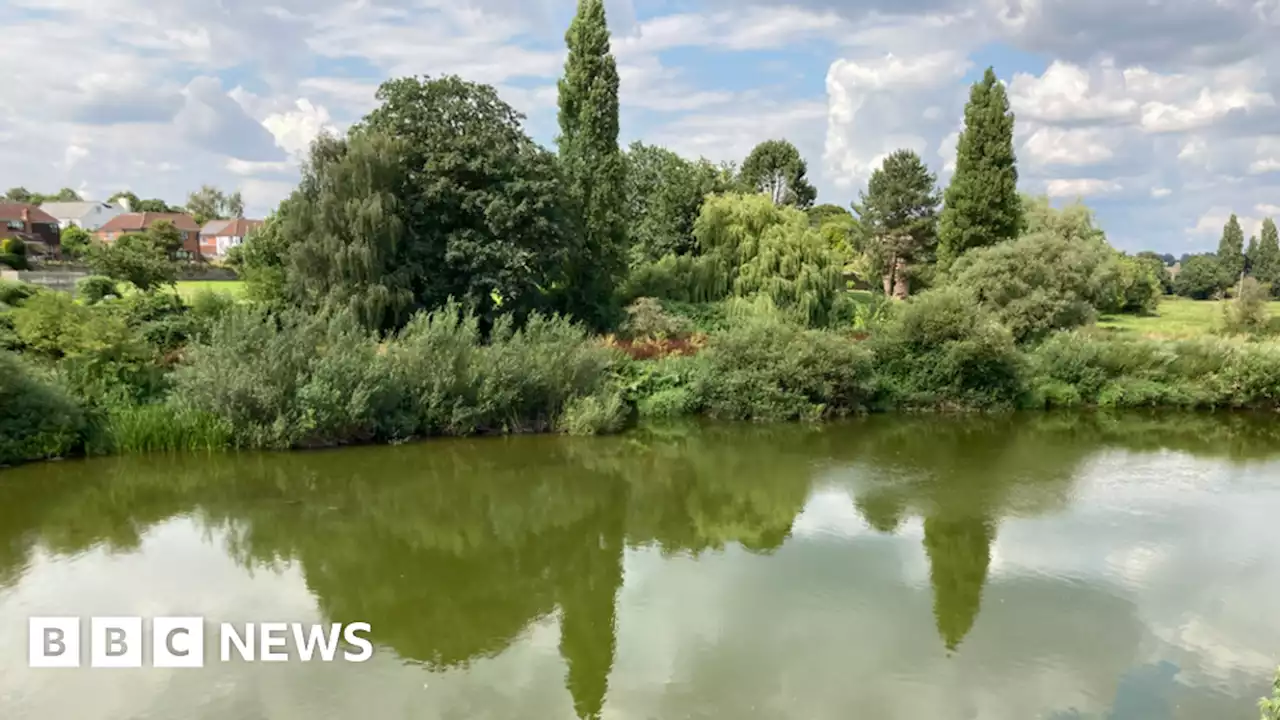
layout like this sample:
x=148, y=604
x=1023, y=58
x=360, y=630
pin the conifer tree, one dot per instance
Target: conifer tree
x=1266, y=266
x=775, y=168
x=1251, y=254
x=1231, y=251
x=900, y=212
x=982, y=206
x=593, y=166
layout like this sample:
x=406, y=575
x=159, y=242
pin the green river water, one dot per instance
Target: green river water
x=1065, y=567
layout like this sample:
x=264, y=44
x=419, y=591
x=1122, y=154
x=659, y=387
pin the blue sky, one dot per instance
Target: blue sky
x=1160, y=114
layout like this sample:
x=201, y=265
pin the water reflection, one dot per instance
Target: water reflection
x=455, y=551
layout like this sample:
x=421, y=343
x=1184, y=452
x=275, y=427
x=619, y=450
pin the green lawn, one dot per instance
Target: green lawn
x=1176, y=318
x=188, y=288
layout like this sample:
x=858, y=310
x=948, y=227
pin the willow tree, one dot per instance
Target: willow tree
x=593, y=167
x=751, y=246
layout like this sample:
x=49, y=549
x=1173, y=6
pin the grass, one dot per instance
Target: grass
x=188, y=288
x=1176, y=318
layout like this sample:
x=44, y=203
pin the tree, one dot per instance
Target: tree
x=1231, y=252
x=235, y=205
x=1251, y=254
x=136, y=258
x=64, y=195
x=775, y=168
x=899, y=211
x=1266, y=265
x=165, y=236
x=820, y=214
x=18, y=195
x=1247, y=313
x=982, y=205
x=1199, y=278
x=207, y=203
x=664, y=194
x=75, y=241
x=1158, y=267
x=155, y=205
x=437, y=193
x=593, y=167
x=126, y=199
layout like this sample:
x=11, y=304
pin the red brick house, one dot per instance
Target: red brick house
x=219, y=236
x=128, y=223
x=37, y=228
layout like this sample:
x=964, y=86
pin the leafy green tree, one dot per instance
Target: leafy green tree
x=1266, y=265
x=207, y=203
x=235, y=205
x=1157, y=265
x=1251, y=254
x=138, y=258
x=164, y=235
x=437, y=193
x=75, y=241
x=1231, y=252
x=1199, y=278
x=1247, y=313
x=775, y=168
x=347, y=239
x=18, y=195
x=594, y=168
x=899, y=211
x=664, y=194
x=128, y=199
x=982, y=205
x=64, y=195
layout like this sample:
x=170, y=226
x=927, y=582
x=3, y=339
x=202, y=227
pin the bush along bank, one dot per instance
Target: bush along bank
x=137, y=375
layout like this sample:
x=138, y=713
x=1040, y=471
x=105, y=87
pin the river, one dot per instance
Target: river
x=1039, y=566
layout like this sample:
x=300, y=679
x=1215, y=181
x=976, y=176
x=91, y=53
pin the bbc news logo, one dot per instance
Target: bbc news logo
x=179, y=642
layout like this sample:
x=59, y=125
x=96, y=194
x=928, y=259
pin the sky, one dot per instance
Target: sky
x=1162, y=115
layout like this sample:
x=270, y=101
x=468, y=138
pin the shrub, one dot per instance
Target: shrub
x=646, y=318
x=765, y=369
x=598, y=414
x=1247, y=314
x=13, y=246
x=663, y=388
x=1035, y=284
x=518, y=381
x=1270, y=707
x=293, y=381
x=939, y=349
x=16, y=262
x=96, y=288
x=13, y=293
x=75, y=241
x=37, y=419
x=1200, y=277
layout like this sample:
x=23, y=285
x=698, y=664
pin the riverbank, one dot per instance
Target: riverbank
x=240, y=377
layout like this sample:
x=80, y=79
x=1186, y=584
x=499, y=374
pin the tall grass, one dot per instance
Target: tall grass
x=160, y=427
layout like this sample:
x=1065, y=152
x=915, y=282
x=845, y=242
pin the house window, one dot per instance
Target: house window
x=16, y=225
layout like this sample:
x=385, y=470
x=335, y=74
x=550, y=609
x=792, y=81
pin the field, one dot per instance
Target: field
x=188, y=288
x=1176, y=318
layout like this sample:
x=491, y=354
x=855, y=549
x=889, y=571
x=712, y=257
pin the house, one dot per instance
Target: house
x=219, y=236
x=37, y=228
x=127, y=223
x=87, y=215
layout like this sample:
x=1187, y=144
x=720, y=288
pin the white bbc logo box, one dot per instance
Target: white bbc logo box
x=115, y=642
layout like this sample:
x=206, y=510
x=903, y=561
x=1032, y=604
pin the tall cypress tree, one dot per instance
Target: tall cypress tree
x=982, y=206
x=593, y=166
x=1231, y=251
x=1266, y=266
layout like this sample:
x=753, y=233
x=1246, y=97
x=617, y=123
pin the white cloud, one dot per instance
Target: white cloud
x=1066, y=93
x=1050, y=145
x=1081, y=187
x=1160, y=192
x=1211, y=222
x=295, y=130
x=73, y=155
x=1267, y=209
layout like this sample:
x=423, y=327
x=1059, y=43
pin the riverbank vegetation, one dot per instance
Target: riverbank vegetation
x=436, y=272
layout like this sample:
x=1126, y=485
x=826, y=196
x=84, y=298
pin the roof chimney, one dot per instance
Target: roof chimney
x=26, y=219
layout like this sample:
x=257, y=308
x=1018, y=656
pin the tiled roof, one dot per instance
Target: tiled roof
x=73, y=210
x=13, y=211
x=230, y=228
x=128, y=222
